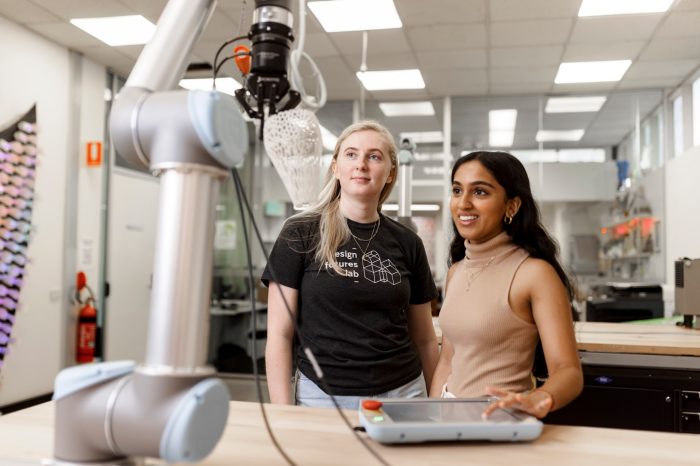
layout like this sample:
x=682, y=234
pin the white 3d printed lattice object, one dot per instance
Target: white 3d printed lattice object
x=293, y=143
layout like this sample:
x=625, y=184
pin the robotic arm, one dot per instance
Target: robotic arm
x=170, y=406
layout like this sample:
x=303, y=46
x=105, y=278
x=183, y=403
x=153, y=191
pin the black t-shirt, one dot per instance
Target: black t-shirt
x=355, y=324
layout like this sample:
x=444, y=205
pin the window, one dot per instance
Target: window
x=678, y=146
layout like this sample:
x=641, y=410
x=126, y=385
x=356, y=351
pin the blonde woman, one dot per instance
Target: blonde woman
x=358, y=285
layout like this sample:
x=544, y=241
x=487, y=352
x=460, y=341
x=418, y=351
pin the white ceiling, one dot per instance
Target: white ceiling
x=487, y=53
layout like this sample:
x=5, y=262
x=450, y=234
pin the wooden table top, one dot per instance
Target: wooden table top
x=637, y=338
x=607, y=337
x=319, y=437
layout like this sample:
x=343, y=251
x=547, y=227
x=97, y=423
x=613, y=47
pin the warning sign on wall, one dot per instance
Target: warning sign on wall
x=93, y=153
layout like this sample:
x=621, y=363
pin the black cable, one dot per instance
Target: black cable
x=297, y=331
x=223, y=46
x=218, y=68
x=239, y=190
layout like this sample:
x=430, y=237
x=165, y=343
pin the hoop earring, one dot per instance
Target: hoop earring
x=508, y=219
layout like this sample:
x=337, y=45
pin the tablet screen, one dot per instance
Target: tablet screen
x=445, y=411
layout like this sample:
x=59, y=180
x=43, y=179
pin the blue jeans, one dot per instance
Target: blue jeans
x=309, y=394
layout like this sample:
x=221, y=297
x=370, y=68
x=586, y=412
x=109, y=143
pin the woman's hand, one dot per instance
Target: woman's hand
x=537, y=402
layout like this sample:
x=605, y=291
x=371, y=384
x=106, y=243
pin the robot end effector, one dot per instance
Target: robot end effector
x=267, y=83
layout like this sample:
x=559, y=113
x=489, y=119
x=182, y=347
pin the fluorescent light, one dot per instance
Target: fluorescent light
x=568, y=135
x=393, y=79
x=423, y=137
x=226, y=85
x=329, y=139
x=592, y=71
x=356, y=15
x=117, y=30
x=392, y=109
x=502, y=119
x=574, y=104
x=622, y=7
x=502, y=127
x=501, y=138
x=414, y=207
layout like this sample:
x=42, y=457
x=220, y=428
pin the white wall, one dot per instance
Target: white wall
x=681, y=208
x=68, y=92
x=43, y=79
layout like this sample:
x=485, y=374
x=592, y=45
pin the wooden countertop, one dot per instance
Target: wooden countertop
x=319, y=437
x=637, y=338
x=607, y=337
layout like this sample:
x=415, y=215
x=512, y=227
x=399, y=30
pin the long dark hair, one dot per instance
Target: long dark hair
x=526, y=230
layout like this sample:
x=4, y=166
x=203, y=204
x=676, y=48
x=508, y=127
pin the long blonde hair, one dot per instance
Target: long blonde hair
x=333, y=228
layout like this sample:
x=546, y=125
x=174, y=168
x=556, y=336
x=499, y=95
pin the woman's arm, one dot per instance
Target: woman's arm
x=422, y=332
x=444, y=365
x=443, y=368
x=280, y=337
x=551, y=311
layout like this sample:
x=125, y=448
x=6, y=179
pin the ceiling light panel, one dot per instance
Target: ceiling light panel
x=356, y=15
x=501, y=138
x=622, y=7
x=568, y=135
x=574, y=104
x=117, y=30
x=391, y=80
x=592, y=71
x=503, y=119
x=395, y=109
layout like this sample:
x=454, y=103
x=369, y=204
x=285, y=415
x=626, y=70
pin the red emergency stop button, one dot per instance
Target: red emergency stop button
x=371, y=405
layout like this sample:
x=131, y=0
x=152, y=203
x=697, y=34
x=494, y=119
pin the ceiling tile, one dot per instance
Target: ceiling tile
x=384, y=61
x=524, y=33
x=651, y=83
x=456, y=82
x=519, y=88
x=381, y=41
x=220, y=27
x=150, y=10
x=110, y=57
x=611, y=51
x=687, y=5
x=452, y=59
x=611, y=29
x=526, y=56
x=318, y=45
x=66, y=34
x=680, y=24
x=414, y=13
x=664, y=69
x=68, y=9
x=334, y=69
x=543, y=75
x=24, y=11
x=447, y=37
x=672, y=49
x=505, y=10
x=131, y=51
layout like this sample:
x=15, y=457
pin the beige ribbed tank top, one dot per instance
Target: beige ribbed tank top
x=492, y=345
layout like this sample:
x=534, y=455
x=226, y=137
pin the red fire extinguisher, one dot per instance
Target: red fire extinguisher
x=87, y=322
x=87, y=331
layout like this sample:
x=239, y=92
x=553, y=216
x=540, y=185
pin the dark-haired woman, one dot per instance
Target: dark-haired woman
x=505, y=292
